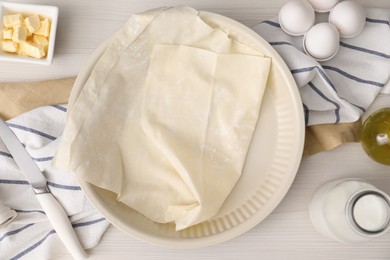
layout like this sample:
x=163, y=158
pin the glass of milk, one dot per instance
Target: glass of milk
x=350, y=210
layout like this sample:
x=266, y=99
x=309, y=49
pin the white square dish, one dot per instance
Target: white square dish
x=44, y=11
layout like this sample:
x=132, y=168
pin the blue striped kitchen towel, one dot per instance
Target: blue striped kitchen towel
x=30, y=235
x=340, y=89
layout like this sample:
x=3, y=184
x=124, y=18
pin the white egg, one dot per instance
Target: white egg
x=323, y=6
x=349, y=18
x=322, y=41
x=296, y=17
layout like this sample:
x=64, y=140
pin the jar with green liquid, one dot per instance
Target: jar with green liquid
x=375, y=132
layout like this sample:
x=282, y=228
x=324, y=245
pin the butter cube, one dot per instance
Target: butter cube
x=32, y=23
x=31, y=49
x=44, y=29
x=41, y=41
x=20, y=34
x=9, y=46
x=22, y=50
x=7, y=34
x=12, y=20
x=28, y=33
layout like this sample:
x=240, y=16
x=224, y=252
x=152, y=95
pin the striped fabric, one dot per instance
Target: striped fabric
x=341, y=89
x=30, y=235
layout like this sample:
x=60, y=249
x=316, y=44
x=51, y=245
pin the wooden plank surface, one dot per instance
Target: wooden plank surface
x=287, y=233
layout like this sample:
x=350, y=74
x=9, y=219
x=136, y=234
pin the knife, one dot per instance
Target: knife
x=54, y=212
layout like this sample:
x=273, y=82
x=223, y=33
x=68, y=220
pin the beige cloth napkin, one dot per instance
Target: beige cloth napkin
x=17, y=98
x=328, y=136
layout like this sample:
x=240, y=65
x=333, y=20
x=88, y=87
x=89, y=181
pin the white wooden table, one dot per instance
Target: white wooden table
x=287, y=233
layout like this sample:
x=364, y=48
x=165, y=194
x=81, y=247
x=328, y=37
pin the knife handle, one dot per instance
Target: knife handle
x=61, y=224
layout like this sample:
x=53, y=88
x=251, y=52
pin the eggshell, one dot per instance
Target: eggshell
x=349, y=18
x=322, y=41
x=296, y=17
x=323, y=6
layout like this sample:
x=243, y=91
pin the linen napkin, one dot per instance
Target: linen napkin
x=29, y=235
x=341, y=89
x=325, y=137
x=17, y=98
x=6, y=215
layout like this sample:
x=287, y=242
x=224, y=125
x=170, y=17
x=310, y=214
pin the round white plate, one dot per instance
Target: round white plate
x=270, y=167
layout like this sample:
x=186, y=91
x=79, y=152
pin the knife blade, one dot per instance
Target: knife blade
x=54, y=212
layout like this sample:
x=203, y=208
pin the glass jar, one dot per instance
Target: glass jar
x=350, y=210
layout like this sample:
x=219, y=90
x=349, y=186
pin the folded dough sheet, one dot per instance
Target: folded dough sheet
x=166, y=117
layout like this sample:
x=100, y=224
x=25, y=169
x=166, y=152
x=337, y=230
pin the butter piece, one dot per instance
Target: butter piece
x=7, y=34
x=31, y=49
x=44, y=29
x=22, y=50
x=41, y=40
x=9, y=46
x=32, y=23
x=12, y=20
x=19, y=34
x=29, y=33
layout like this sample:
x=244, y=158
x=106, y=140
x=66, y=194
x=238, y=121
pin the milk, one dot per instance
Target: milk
x=350, y=210
x=371, y=212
